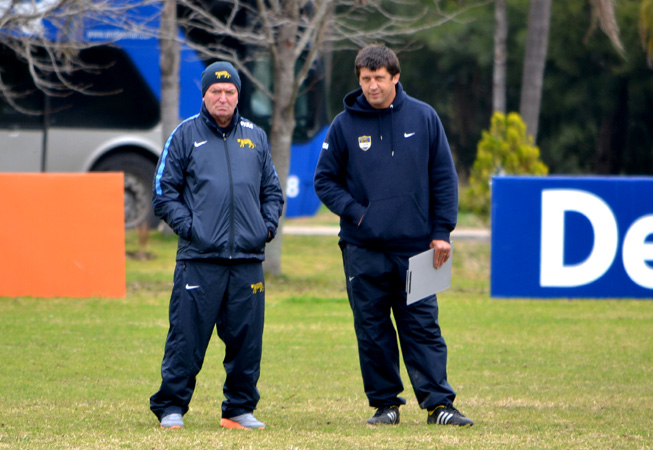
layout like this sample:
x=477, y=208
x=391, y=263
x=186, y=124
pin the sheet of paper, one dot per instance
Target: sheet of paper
x=422, y=279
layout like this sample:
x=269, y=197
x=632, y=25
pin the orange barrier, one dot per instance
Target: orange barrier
x=62, y=235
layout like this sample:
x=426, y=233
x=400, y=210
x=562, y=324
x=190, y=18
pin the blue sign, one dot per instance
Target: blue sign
x=572, y=237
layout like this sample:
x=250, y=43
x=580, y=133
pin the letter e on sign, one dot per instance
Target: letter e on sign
x=637, y=252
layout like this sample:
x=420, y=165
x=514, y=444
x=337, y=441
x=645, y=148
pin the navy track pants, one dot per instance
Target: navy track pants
x=205, y=295
x=376, y=283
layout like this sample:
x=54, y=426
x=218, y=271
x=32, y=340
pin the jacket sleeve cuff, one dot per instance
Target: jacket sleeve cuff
x=441, y=236
x=272, y=232
x=184, y=230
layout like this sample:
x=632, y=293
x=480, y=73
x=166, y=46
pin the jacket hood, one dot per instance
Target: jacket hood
x=355, y=102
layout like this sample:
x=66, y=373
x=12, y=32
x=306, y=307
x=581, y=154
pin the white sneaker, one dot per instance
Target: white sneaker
x=172, y=421
x=244, y=421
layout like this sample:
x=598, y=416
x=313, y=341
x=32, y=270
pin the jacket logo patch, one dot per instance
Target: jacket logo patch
x=258, y=287
x=222, y=74
x=246, y=142
x=365, y=142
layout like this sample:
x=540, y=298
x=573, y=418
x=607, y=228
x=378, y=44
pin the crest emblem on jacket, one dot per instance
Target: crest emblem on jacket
x=365, y=142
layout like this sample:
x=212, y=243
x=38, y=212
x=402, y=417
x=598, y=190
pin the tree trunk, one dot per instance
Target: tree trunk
x=169, y=62
x=537, y=38
x=500, y=56
x=281, y=131
x=613, y=134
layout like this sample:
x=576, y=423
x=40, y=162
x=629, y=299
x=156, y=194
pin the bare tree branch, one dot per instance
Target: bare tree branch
x=49, y=35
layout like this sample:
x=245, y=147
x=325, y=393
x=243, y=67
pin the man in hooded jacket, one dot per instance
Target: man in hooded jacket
x=386, y=169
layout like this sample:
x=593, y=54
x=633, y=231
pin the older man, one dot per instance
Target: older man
x=217, y=188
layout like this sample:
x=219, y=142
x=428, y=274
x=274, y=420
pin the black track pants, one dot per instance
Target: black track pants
x=206, y=295
x=376, y=286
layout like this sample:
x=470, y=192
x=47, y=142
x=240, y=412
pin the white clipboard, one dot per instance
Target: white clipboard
x=422, y=279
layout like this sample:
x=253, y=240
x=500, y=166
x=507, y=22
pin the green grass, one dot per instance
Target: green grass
x=533, y=374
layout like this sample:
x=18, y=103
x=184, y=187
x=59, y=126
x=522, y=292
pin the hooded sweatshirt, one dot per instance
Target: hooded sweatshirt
x=389, y=175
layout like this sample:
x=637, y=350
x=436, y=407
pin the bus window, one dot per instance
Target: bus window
x=310, y=107
x=260, y=104
x=310, y=112
x=27, y=96
x=119, y=96
x=21, y=127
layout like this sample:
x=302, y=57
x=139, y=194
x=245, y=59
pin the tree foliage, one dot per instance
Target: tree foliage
x=506, y=149
x=596, y=103
x=452, y=71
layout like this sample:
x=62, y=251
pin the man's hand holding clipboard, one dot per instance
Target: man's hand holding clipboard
x=423, y=278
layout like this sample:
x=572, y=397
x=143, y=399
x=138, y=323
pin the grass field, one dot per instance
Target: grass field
x=554, y=374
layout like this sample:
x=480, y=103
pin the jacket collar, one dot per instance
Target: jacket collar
x=356, y=102
x=210, y=121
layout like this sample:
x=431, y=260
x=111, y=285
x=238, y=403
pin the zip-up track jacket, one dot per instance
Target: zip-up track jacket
x=389, y=175
x=218, y=189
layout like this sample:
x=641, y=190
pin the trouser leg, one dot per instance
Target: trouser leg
x=423, y=347
x=240, y=326
x=194, y=305
x=367, y=288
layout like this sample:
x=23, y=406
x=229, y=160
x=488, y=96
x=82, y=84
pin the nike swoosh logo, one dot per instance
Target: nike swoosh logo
x=407, y=135
x=189, y=287
x=351, y=278
x=198, y=144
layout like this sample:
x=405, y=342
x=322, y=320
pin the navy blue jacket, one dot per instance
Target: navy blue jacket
x=218, y=189
x=392, y=171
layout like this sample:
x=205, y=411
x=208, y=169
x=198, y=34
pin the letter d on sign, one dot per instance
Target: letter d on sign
x=553, y=272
